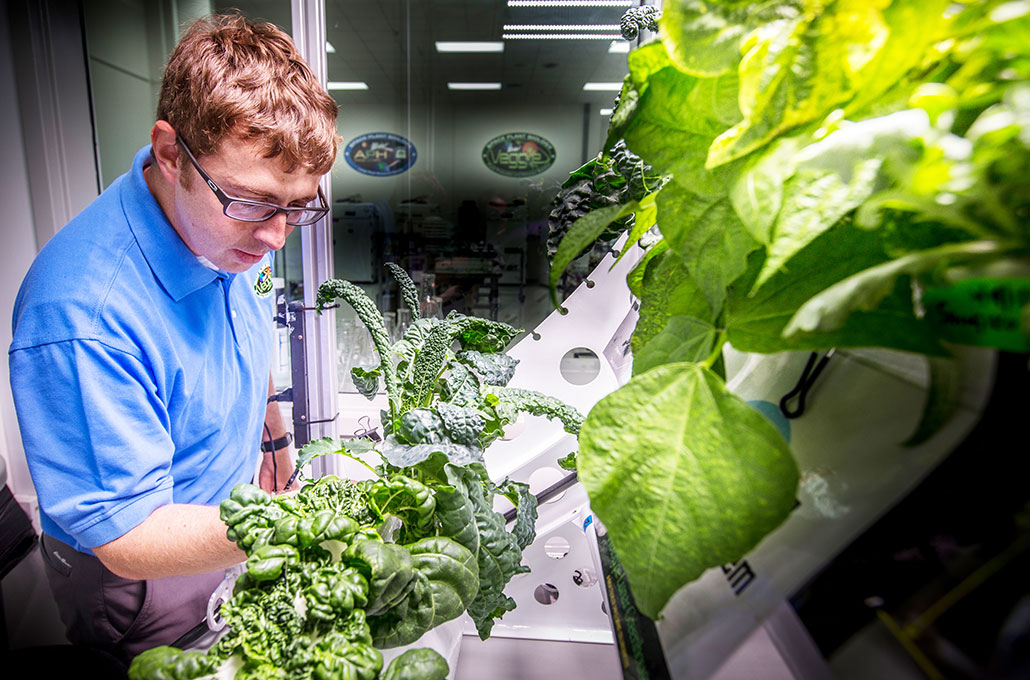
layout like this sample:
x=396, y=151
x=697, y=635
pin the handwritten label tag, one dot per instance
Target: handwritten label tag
x=982, y=312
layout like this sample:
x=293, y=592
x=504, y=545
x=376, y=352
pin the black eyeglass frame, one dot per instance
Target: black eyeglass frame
x=226, y=200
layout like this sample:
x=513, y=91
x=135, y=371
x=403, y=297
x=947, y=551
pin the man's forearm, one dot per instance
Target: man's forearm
x=176, y=540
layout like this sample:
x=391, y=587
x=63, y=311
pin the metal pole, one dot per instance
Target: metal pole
x=319, y=336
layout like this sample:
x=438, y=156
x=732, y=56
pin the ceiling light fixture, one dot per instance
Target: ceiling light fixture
x=469, y=46
x=561, y=36
x=473, y=86
x=329, y=47
x=603, y=87
x=606, y=112
x=561, y=27
x=346, y=85
x=619, y=47
x=570, y=3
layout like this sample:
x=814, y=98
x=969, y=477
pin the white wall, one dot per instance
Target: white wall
x=17, y=235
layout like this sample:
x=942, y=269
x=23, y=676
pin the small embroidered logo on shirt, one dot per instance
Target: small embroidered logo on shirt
x=263, y=284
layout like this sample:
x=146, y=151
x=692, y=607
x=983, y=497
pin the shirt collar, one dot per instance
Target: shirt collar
x=176, y=267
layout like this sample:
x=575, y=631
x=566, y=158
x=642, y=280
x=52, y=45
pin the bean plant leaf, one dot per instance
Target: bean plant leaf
x=797, y=68
x=709, y=237
x=755, y=321
x=667, y=290
x=712, y=477
x=865, y=290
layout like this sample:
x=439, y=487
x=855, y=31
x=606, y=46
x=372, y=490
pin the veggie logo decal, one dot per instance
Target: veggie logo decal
x=519, y=154
x=263, y=283
x=380, y=154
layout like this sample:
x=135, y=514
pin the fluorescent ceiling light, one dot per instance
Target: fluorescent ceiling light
x=473, y=86
x=343, y=85
x=603, y=87
x=606, y=112
x=619, y=47
x=561, y=36
x=329, y=47
x=470, y=47
x=561, y=27
x=570, y=3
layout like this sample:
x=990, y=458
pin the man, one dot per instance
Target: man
x=142, y=345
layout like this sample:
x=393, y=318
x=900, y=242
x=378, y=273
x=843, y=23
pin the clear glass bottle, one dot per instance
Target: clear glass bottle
x=430, y=304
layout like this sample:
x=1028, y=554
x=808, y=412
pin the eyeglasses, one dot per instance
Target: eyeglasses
x=259, y=211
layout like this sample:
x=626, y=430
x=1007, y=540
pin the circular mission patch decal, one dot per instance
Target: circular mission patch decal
x=518, y=154
x=380, y=154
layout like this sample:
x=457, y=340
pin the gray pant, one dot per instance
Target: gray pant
x=119, y=615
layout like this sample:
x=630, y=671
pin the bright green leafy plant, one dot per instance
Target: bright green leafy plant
x=343, y=569
x=835, y=170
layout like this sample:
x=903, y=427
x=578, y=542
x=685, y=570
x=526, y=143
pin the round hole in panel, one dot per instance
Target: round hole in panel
x=541, y=478
x=546, y=593
x=556, y=547
x=580, y=366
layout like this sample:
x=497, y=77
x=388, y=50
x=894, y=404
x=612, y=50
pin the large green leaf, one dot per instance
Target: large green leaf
x=797, y=69
x=684, y=475
x=684, y=338
x=705, y=38
x=864, y=291
x=667, y=290
x=675, y=322
x=814, y=200
x=709, y=237
x=755, y=320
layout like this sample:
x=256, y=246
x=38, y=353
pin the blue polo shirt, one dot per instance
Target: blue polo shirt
x=139, y=374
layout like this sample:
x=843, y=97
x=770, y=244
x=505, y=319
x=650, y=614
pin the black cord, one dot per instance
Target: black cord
x=275, y=465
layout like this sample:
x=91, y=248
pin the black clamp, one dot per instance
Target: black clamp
x=805, y=382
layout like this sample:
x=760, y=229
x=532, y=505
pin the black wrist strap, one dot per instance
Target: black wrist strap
x=276, y=444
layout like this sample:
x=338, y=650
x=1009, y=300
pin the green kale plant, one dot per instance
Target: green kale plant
x=342, y=569
x=839, y=173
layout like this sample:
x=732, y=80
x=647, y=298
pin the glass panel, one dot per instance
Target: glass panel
x=455, y=185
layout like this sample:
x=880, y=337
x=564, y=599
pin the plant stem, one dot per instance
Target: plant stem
x=720, y=340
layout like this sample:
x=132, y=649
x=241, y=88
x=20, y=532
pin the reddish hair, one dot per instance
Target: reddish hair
x=230, y=77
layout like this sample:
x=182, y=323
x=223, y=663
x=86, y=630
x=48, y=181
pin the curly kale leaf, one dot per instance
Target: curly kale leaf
x=417, y=664
x=497, y=552
x=463, y=425
x=507, y=402
x=373, y=320
x=616, y=178
x=481, y=335
x=525, y=503
x=401, y=454
x=407, y=287
x=492, y=369
x=460, y=385
x=366, y=380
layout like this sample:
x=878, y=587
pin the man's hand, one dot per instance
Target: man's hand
x=276, y=470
